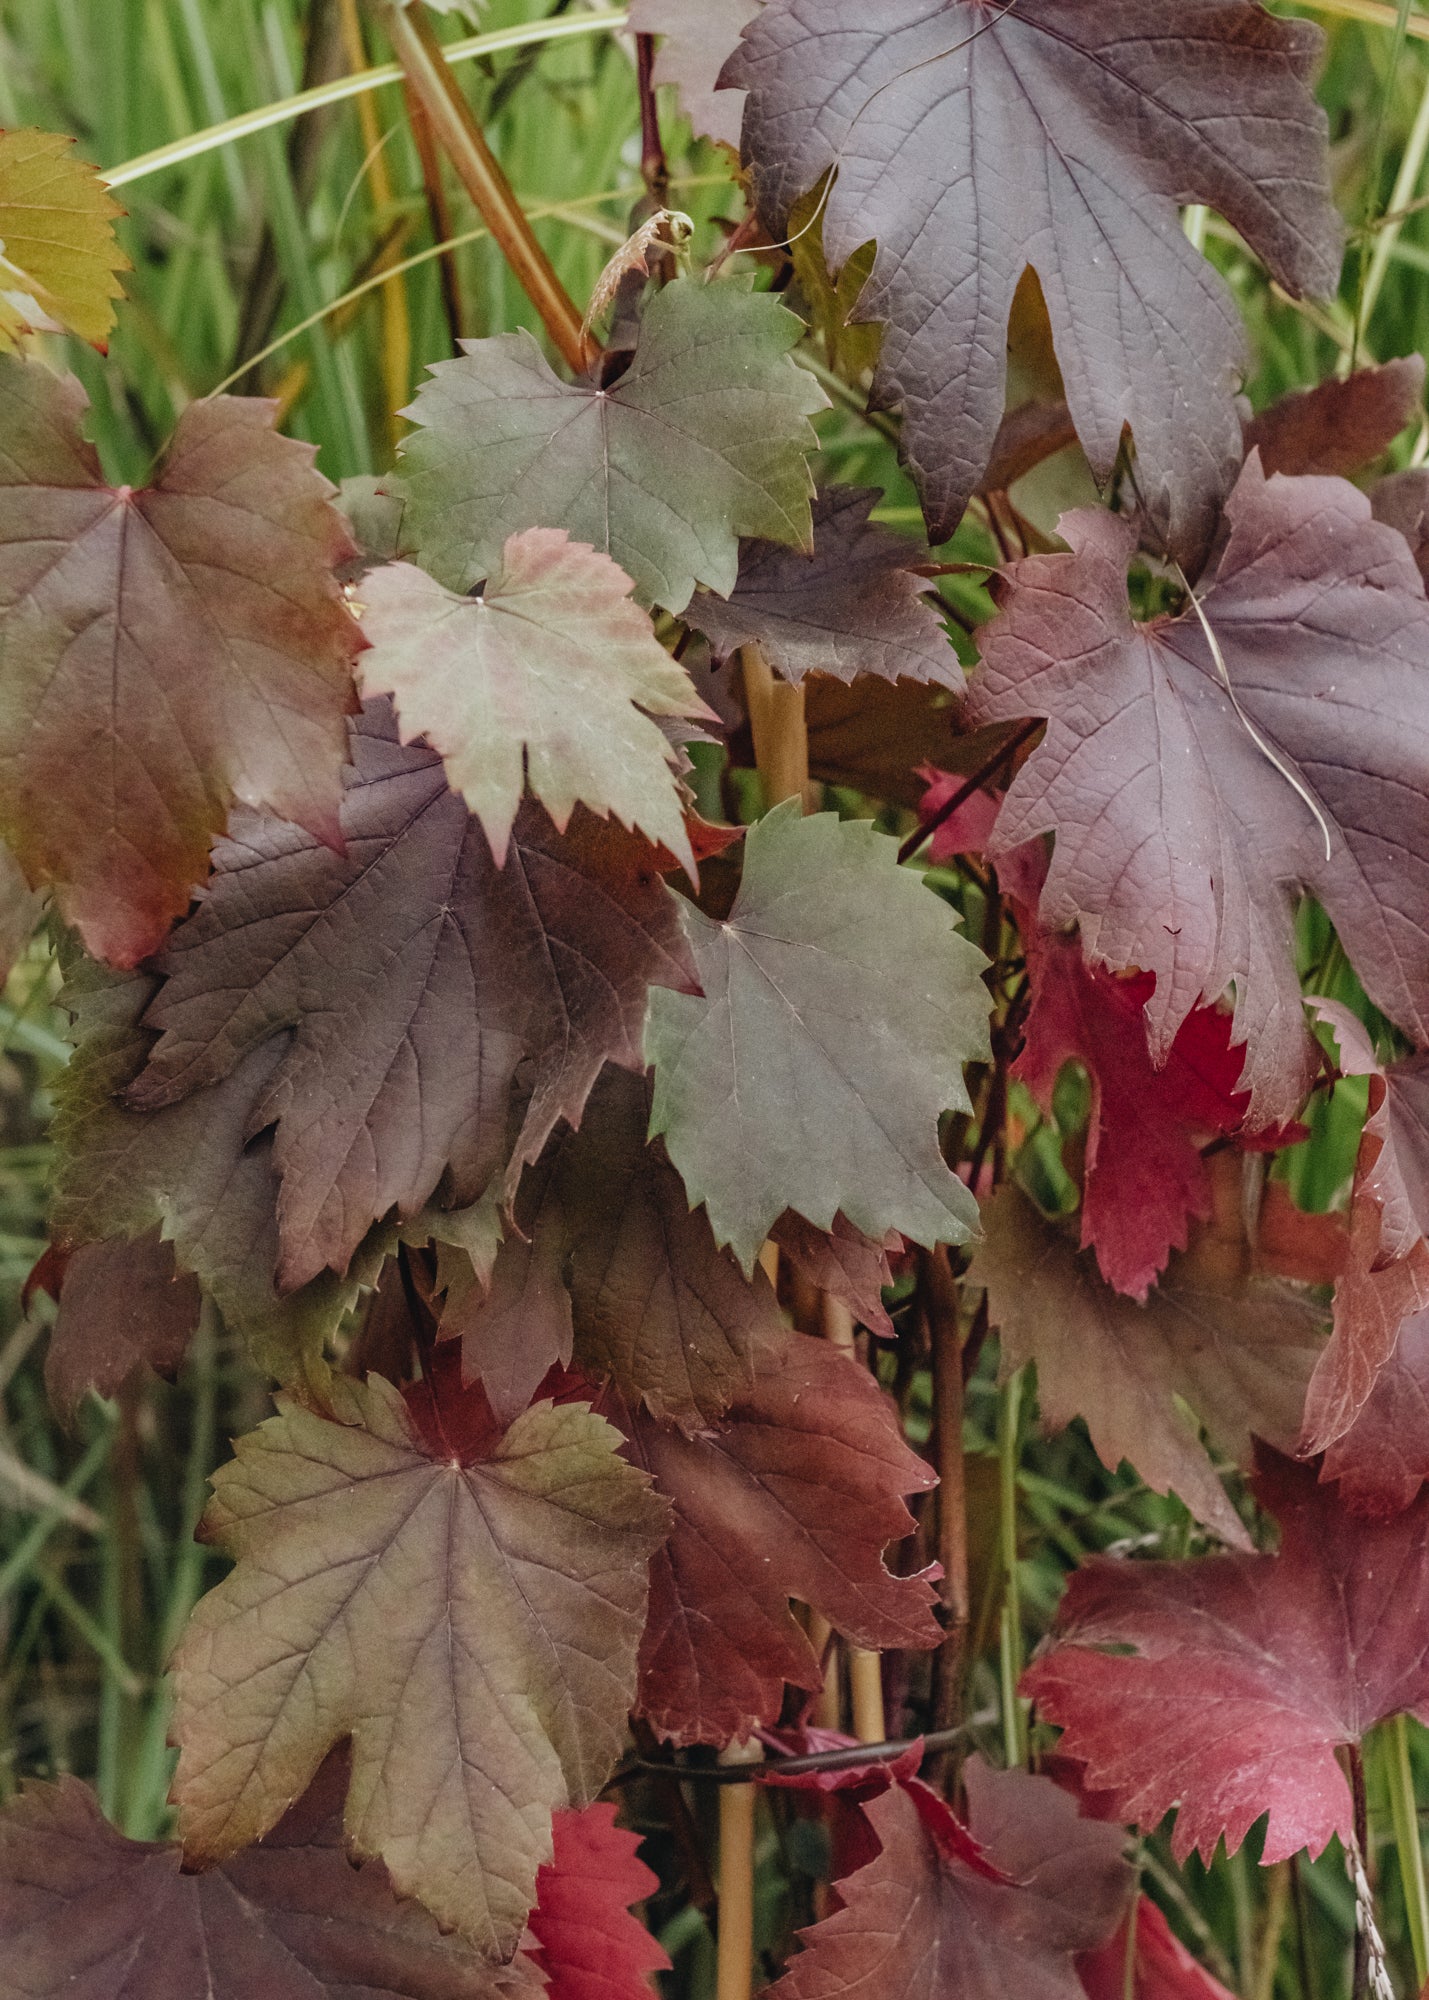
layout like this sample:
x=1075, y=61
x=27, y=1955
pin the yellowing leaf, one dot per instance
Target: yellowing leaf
x=58, y=253
x=552, y=673
x=464, y=1603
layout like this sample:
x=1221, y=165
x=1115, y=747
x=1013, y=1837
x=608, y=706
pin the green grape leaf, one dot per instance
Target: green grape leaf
x=839, y=1006
x=704, y=438
x=464, y=1602
x=552, y=673
x=59, y=257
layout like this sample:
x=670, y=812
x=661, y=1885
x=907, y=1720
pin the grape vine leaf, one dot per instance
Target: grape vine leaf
x=1401, y=501
x=705, y=438
x=843, y=1263
x=1386, y=1274
x=122, y=1305
x=770, y=1092
x=699, y=36
x=89, y=1915
x=1340, y=426
x=20, y=911
x=1382, y=1460
x=1163, y=1968
x=609, y=1259
x=973, y=144
x=188, y=1168
x=464, y=1602
x=919, y=1922
x=795, y=1494
x=1239, y=1354
x=1237, y=1677
x=855, y=606
x=1179, y=841
x=411, y=979
x=550, y=677
x=1144, y=1179
x=588, y=1944
x=162, y=653
x=59, y=257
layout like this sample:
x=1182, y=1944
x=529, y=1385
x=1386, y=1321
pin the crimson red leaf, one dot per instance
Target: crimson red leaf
x=1179, y=840
x=795, y=1494
x=163, y=654
x=1235, y=1679
x=919, y=1923
x=1340, y=426
x=588, y=1944
x=88, y=1915
x=1386, y=1272
x=1145, y=1178
x=852, y=607
x=1164, y=1970
x=609, y=1258
x=122, y=1305
x=974, y=142
x=1382, y=1460
x=415, y=979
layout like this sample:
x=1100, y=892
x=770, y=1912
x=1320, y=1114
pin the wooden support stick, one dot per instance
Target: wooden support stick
x=734, y=1955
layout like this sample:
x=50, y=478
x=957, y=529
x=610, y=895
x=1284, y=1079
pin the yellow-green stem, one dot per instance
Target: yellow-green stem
x=1014, y=1716
x=1399, y=1778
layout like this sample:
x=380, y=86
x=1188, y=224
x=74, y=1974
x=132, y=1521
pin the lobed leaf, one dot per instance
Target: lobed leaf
x=1060, y=135
x=163, y=654
x=770, y=1090
x=399, y=988
x=1233, y=1680
x=549, y=678
x=59, y=257
x=704, y=438
x=464, y=1603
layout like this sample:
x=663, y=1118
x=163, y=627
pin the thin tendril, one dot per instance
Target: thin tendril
x=1263, y=745
x=831, y=171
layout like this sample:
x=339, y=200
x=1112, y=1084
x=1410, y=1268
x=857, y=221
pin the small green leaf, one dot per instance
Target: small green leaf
x=58, y=252
x=544, y=676
x=839, y=1006
x=704, y=438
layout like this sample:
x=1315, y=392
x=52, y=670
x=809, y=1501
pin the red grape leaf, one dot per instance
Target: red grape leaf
x=588, y=1944
x=162, y=653
x=122, y=1305
x=843, y=1262
x=1340, y=426
x=1164, y=1969
x=704, y=438
x=795, y=1494
x=549, y=679
x=1240, y=1355
x=609, y=1255
x=1238, y=1676
x=770, y=1093
x=1179, y=841
x=920, y=1923
x=698, y=38
x=89, y=1915
x=1402, y=502
x=854, y=607
x=414, y=978
x=186, y=1167
x=974, y=143
x=1386, y=1273
x=1382, y=1460
x=464, y=1602
x=59, y=257
x=1145, y=1178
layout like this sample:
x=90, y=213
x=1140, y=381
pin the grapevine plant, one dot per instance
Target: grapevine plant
x=692, y=1034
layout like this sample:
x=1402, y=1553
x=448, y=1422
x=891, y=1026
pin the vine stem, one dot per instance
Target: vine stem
x=1014, y=1719
x=779, y=729
x=429, y=76
x=940, y=1306
x=1399, y=1773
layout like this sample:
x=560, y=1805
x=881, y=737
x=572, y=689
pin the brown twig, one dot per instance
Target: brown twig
x=438, y=210
x=939, y=1298
x=420, y=54
x=654, y=167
